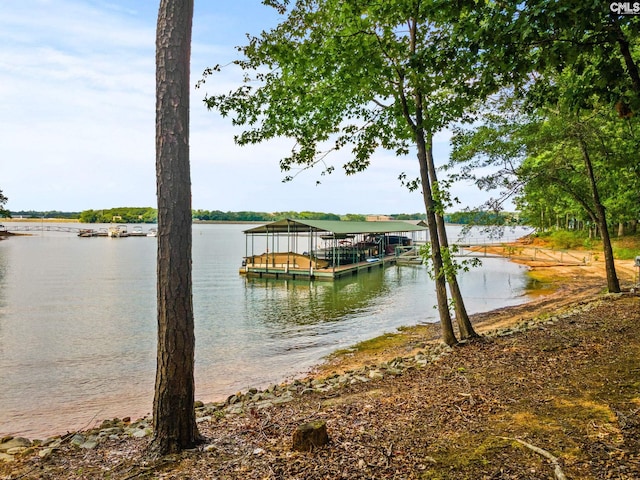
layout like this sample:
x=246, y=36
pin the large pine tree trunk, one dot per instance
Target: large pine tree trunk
x=173, y=407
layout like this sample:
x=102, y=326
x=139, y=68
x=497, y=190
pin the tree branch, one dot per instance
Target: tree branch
x=558, y=473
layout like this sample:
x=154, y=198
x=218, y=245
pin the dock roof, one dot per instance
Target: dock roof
x=289, y=225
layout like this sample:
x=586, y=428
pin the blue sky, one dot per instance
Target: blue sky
x=77, y=106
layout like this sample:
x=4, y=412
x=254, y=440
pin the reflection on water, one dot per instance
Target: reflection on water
x=78, y=322
x=311, y=302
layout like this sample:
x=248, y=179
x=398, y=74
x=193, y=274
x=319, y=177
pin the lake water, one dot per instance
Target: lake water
x=78, y=322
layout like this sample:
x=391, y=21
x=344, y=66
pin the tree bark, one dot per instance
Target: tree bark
x=448, y=335
x=174, y=421
x=613, y=285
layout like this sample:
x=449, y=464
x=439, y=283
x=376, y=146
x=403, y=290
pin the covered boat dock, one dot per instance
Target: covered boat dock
x=324, y=249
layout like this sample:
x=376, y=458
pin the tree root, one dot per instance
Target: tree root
x=558, y=473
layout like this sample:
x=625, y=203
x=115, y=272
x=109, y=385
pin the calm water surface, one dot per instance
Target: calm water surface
x=78, y=322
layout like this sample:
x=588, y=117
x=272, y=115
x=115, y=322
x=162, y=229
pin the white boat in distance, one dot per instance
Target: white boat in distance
x=118, y=231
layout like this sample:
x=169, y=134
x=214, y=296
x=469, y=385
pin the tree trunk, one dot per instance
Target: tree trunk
x=613, y=284
x=173, y=407
x=448, y=336
x=462, y=317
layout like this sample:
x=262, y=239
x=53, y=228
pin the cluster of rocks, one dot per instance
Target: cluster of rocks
x=111, y=429
x=258, y=399
x=278, y=394
x=544, y=320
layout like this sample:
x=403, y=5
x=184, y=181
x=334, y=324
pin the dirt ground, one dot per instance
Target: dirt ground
x=558, y=396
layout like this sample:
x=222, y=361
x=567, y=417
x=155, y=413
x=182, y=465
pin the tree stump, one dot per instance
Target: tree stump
x=310, y=435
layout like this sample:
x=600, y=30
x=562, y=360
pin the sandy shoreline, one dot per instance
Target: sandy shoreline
x=558, y=285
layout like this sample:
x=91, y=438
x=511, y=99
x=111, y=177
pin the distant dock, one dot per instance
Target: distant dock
x=119, y=231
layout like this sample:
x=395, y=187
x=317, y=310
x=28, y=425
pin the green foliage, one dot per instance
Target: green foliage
x=3, y=201
x=316, y=216
x=535, y=40
x=623, y=253
x=149, y=215
x=626, y=247
x=408, y=216
x=565, y=240
x=570, y=75
x=539, y=159
x=120, y=215
x=354, y=217
x=217, y=215
x=343, y=74
x=480, y=217
x=452, y=267
x=244, y=216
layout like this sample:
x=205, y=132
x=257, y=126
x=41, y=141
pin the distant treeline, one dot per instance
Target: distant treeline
x=120, y=215
x=49, y=214
x=479, y=217
x=220, y=216
x=217, y=215
x=150, y=215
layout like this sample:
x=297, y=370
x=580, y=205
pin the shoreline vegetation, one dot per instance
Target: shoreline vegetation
x=552, y=386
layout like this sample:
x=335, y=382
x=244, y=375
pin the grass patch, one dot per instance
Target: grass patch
x=377, y=344
x=624, y=248
x=622, y=253
x=564, y=239
x=537, y=424
x=627, y=247
x=479, y=450
x=580, y=410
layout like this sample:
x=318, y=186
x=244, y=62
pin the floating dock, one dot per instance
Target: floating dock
x=121, y=230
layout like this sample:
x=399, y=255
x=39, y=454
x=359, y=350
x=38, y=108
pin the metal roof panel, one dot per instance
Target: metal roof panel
x=289, y=225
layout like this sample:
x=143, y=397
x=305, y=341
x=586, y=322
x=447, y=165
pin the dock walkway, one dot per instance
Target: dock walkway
x=324, y=273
